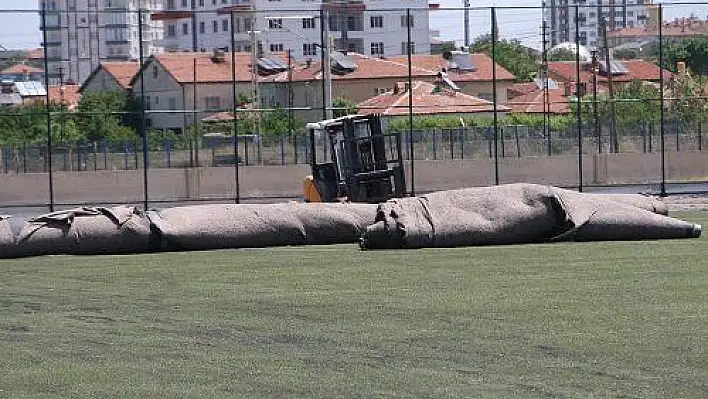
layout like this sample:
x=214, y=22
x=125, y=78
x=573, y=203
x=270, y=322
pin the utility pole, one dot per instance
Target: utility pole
x=544, y=76
x=577, y=98
x=610, y=87
x=467, y=22
x=234, y=96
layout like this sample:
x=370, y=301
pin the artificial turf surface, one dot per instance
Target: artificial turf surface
x=591, y=320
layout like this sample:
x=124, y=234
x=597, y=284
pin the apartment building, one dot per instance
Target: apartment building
x=559, y=17
x=372, y=27
x=83, y=33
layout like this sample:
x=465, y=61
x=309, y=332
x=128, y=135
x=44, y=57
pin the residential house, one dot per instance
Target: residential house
x=363, y=76
x=21, y=93
x=678, y=29
x=181, y=89
x=68, y=95
x=22, y=73
x=111, y=76
x=428, y=99
x=623, y=72
x=471, y=72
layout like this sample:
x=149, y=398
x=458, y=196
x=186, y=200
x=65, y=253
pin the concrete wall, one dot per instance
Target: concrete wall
x=286, y=181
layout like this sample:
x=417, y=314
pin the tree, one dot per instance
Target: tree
x=689, y=104
x=108, y=115
x=343, y=107
x=510, y=54
x=692, y=51
x=626, y=54
x=561, y=54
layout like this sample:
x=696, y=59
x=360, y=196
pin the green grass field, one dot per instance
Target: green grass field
x=592, y=320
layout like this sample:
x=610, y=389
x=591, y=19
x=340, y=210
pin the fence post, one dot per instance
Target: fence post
x=167, y=145
x=462, y=142
x=104, y=144
x=452, y=145
x=516, y=137
x=494, y=94
x=678, y=135
x=661, y=100
x=700, y=136
x=126, y=148
x=435, y=145
x=282, y=149
x=577, y=97
x=48, y=107
x=643, y=129
x=95, y=156
x=24, y=157
x=409, y=51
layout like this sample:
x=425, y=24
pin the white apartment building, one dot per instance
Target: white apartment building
x=82, y=33
x=559, y=17
x=371, y=27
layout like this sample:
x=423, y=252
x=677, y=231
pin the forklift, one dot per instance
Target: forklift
x=360, y=163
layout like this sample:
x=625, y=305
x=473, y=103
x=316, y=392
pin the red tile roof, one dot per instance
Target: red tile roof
x=21, y=69
x=426, y=100
x=683, y=27
x=397, y=67
x=367, y=68
x=638, y=70
x=182, y=67
x=122, y=72
x=35, y=54
x=482, y=62
x=67, y=94
x=518, y=89
x=533, y=102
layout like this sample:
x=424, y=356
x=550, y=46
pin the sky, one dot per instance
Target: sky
x=21, y=29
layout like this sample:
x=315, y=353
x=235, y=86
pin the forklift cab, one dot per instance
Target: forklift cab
x=359, y=162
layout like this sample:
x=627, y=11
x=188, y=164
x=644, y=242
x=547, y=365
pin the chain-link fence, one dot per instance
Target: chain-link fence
x=184, y=100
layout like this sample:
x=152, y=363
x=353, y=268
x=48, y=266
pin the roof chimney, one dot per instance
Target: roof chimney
x=681, y=67
x=308, y=62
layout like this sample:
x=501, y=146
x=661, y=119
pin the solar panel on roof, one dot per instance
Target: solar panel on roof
x=541, y=83
x=271, y=65
x=616, y=67
x=30, y=89
x=463, y=61
x=342, y=62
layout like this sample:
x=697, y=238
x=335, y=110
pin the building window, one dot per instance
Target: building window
x=407, y=22
x=225, y=25
x=184, y=3
x=376, y=21
x=215, y=26
x=155, y=71
x=276, y=23
x=201, y=3
x=170, y=5
x=247, y=23
x=202, y=27
x=404, y=50
x=185, y=29
x=212, y=103
x=377, y=48
x=309, y=49
x=380, y=90
x=277, y=47
x=308, y=23
x=171, y=32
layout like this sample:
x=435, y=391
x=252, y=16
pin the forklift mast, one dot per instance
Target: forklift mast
x=364, y=164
